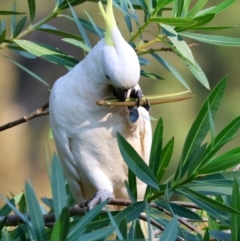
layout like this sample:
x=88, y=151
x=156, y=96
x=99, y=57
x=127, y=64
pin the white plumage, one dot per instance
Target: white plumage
x=85, y=133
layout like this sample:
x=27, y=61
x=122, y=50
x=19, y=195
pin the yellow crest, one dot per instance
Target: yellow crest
x=109, y=20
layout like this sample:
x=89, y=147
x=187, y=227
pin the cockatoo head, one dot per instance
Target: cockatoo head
x=120, y=62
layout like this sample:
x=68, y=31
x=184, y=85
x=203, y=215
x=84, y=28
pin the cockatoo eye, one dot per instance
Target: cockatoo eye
x=107, y=76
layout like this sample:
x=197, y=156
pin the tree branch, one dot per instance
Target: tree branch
x=37, y=113
x=80, y=210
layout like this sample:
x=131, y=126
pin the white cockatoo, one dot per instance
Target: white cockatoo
x=85, y=133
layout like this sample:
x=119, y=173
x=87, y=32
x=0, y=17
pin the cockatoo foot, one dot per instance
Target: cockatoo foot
x=137, y=94
x=99, y=197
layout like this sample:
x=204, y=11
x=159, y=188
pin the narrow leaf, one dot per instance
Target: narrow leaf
x=171, y=230
x=170, y=68
x=201, y=125
x=213, y=39
x=35, y=214
x=77, y=43
x=156, y=148
x=198, y=73
x=235, y=219
x=10, y=13
x=165, y=159
x=32, y=9
x=80, y=28
x=131, y=212
x=136, y=163
x=83, y=222
x=227, y=160
x=177, y=21
x=27, y=71
x=58, y=187
x=150, y=75
x=60, y=33
x=208, y=201
x=19, y=27
x=47, y=52
x=178, y=42
x=196, y=8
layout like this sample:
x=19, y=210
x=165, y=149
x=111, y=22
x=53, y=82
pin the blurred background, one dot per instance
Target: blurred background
x=22, y=148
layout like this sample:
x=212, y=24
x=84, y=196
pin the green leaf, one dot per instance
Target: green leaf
x=32, y=9
x=131, y=212
x=207, y=201
x=179, y=210
x=178, y=42
x=123, y=228
x=156, y=148
x=206, y=236
x=60, y=33
x=6, y=209
x=192, y=164
x=225, y=134
x=212, y=128
x=80, y=28
x=196, y=8
x=64, y=220
x=170, y=68
x=165, y=159
x=198, y=73
x=55, y=236
x=6, y=236
x=46, y=52
x=78, y=228
x=65, y=3
x=206, y=205
x=177, y=21
x=10, y=13
x=214, y=28
x=35, y=214
x=227, y=160
x=201, y=125
x=144, y=8
x=150, y=75
x=235, y=219
x=58, y=187
x=27, y=71
x=199, y=21
x=19, y=27
x=171, y=230
x=113, y=222
x=3, y=36
x=99, y=31
x=219, y=8
x=13, y=19
x=212, y=223
x=100, y=234
x=124, y=5
x=161, y=4
x=135, y=231
x=216, y=184
x=132, y=186
x=136, y=163
x=77, y=43
x=213, y=39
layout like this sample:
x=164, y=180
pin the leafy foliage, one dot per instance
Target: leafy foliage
x=201, y=175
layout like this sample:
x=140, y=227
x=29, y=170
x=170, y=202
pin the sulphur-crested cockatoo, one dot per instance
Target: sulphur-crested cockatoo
x=85, y=133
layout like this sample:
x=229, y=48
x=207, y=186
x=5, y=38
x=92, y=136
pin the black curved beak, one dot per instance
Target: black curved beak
x=120, y=94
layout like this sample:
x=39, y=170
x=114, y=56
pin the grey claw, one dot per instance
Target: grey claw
x=137, y=94
x=147, y=106
x=99, y=197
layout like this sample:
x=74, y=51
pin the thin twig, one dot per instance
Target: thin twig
x=37, y=113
